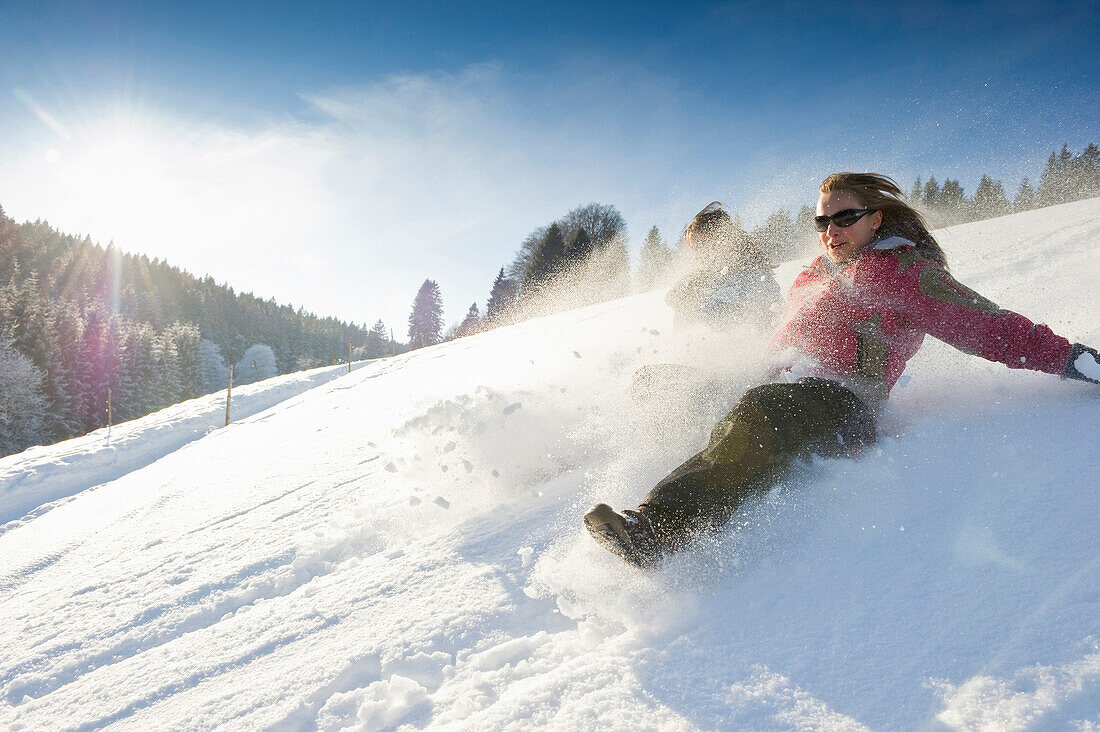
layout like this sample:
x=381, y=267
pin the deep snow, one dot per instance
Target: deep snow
x=41, y=476
x=401, y=546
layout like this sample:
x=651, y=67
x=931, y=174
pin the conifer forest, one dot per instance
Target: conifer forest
x=79, y=321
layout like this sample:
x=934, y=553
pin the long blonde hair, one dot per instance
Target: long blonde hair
x=880, y=193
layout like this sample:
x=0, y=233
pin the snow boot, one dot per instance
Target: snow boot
x=628, y=534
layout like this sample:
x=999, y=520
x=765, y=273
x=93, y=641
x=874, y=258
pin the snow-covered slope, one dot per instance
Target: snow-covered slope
x=402, y=545
x=34, y=480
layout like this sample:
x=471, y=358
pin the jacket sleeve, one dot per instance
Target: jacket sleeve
x=934, y=301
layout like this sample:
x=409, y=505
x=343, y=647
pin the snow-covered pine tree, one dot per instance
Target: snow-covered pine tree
x=931, y=194
x=136, y=391
x=952, y=203
x=63, y=387
x=990, y=200
x=257, y=363
x=22, y=403
x=1089, y=172
x=1025, y=197
x=470, y=324
x=168, y=386
x=378, y=341
x=186, y=338
x=547, y=259
x=654, y=261
x=98, y=367
x=213, y=369
x=426, y=318
x=1054, y=186
x=776, y=237
x=502, y=298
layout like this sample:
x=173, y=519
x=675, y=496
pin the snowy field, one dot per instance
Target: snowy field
x=401, y=546
x=42, y=476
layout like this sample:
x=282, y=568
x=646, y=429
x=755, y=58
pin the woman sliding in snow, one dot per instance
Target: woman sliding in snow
x=857, y=314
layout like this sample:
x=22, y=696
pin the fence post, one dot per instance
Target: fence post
x=110, y=415
x=228, y=395
x=349, y=357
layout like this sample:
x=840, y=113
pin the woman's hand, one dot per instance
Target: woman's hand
x=1083, y=365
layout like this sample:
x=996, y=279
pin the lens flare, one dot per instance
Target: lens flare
x=45, y=117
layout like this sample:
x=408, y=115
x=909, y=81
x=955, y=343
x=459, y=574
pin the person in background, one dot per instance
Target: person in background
x=730, y=279
x=856, y=316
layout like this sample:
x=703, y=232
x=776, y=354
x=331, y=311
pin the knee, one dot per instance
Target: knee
x=746, y=432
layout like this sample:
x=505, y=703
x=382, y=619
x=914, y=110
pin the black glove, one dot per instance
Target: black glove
x=1083, y=365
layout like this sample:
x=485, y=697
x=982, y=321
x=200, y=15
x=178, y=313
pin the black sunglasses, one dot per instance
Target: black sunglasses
x=843, y=219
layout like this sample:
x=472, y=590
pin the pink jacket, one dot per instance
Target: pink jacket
x=861, y=323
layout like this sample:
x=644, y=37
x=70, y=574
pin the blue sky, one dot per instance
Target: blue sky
x=334, y=157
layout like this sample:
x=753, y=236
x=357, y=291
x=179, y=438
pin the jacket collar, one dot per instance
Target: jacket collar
x=890, y=243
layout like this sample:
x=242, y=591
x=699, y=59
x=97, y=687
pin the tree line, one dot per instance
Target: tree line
x=1066, y=178
x=79, y=321
x=576, y=260
x=551, y=254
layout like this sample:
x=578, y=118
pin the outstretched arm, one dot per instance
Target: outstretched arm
x=954, y=313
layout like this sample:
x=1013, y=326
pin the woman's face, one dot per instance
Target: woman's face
x=842, y=242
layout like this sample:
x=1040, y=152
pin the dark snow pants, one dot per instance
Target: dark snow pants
x=769, y=428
